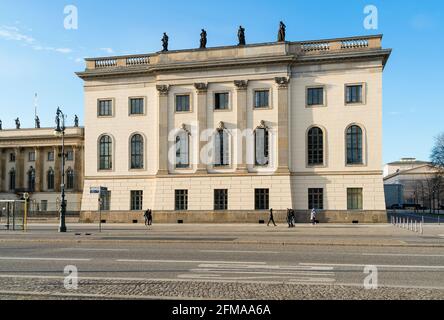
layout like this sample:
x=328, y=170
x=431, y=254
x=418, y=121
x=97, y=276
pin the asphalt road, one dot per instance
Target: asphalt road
x=216, y=267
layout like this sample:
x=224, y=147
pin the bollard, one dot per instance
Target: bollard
x=416, y=226
x=421, y=227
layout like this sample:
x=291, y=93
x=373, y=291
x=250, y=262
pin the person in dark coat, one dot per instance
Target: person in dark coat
x=150, y=217
x=271, y=219
x=146, y=215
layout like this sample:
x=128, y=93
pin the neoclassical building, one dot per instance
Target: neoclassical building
x=30, y=162
x=224, y=134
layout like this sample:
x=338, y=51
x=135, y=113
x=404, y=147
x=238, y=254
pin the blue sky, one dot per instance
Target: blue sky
x=38, y=55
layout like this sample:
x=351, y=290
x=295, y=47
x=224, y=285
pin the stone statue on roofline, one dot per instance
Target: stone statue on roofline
x=17, y=123
x=203, y=39
x=165, y=41
x=282, y=30
x=241, y=36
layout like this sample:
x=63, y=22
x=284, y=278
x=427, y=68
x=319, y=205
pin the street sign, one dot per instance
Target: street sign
x=94, y=190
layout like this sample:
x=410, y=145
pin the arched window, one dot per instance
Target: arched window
x=354, y=145
x=137, y=152
x=315, y=146
x=262, y=149
x=183, y=149
x=12, y=179
x=105, y=153
x=70, y=179
x=221, y=148
x=50, y=179
x=31, y=179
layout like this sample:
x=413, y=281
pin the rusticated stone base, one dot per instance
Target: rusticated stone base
x=234, y=216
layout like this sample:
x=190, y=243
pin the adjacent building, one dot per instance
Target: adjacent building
x=30, y=162
x=224, y=134
x=413, y=183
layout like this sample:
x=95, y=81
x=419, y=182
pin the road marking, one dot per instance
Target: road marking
x=43, y=259
x=92, y=249
x=218, y=276
x=301, y=273
x=377, y=265
x=189, y=261
x=269, y=267
x=403, y=255
x=228, y=251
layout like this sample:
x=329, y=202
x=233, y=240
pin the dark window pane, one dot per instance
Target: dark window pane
x=105, y=153
x=181, y=200
x=315, y=146
x=261, y=99
x=136, y=200
x=354, y=199
x=137, y=152
x=316, y=198
x=221, y=199
x=262, y=147
x=354, y=145
x=315, y=96
x=137, y=106
x=182, y=103
x=105, y=204
x=221, y=101
x=105, y=108
x=354, y=94
x=261, y=199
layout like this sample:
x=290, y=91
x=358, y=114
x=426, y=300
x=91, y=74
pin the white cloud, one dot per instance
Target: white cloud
x=64, y=50
x=14, y=34
x=107, y=50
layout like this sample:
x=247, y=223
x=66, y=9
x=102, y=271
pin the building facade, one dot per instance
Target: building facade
x=224, y=134
x=412, y=183
x=30, y=162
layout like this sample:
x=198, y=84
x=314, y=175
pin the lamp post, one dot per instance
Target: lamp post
x=60, y=132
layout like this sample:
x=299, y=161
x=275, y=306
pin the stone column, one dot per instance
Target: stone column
x=163, y=129
x=201, y=89
x=57, y=169
x=283, y=121
x=20, y=168
x=78, y=168
x=241, y=103
x=2, y=170
x=38, y=169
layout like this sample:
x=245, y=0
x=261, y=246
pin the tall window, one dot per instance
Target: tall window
x=31, y=156
x=262, y=152
x=221, y=149
x=221, y=101
x=316, y=198
x=353, y=94
x=137, y=152
x=182, y=103
x=262, y=99
x=105, y=108
x=221, y=199
x=354, y=145
x=182, y=149
x=51, y=156
x=12, y=157
x=105, y=204
x=70, y=155
x=181, y=200
x=105, y=153
x=31, y=179
x=12, y=179
x=354, y=199
x=136, y=106
x=315, y=146
x=70, y=179
x=315, y=96
x=50, y=179
x=136, y=200
x=262, y=199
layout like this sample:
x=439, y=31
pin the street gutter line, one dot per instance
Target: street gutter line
x=377, y=265
x=44, y=259
x=189, y=261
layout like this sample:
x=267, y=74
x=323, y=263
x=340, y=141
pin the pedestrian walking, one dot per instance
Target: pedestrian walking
x=313, y=216
x=289, y=217
x=146, y=216
x=292, y=218
x=150, y=217
x=271, y=219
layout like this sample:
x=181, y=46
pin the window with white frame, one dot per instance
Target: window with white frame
x=183, y=149
x=221, y=148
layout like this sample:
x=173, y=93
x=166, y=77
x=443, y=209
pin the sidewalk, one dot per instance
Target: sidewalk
x=303, y=234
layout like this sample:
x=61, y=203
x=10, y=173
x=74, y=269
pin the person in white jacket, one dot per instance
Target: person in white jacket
x=313, y=216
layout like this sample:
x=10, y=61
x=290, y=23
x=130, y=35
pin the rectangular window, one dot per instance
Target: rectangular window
x=31, y=156
x=221, y=199
x=353, y=94
x=44, y=205
x=136, y=200
x=105, y=108
x=316, y=199
x=181, y=200
x=137, y=106
x=315, y=96
x=261, y=99
x=354, y=199
x=51, y=156
x=70, y=155
x=221, y=101
x=105, y=204
x=182, y=103
x=262, y=199
x=12, y=157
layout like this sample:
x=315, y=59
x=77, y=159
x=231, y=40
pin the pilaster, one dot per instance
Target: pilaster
x=201, y=90
x=283, y=137
x=163, y=91
x=241, y=105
